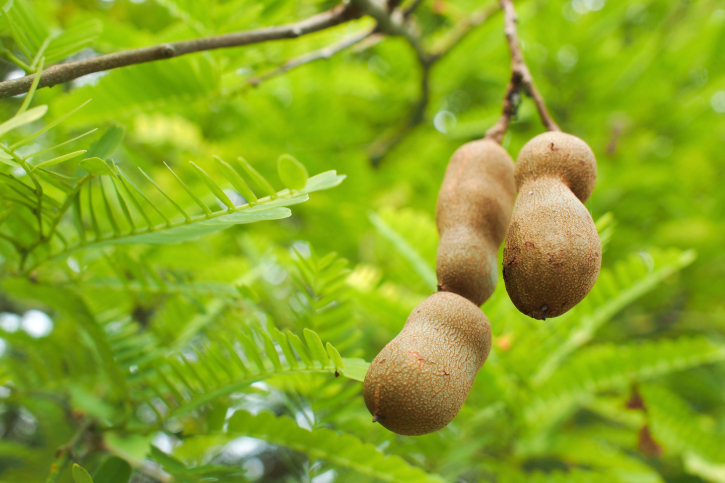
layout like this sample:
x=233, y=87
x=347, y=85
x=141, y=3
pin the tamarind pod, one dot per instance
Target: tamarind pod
x=419, y=381
x=552, y=254
x=472, y=215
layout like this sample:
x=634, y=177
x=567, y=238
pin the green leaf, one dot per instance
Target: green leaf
x=213, y=187
x=80, y=475
x=263, y=361
x=335, y=356
x=50, y=125
x=258, y=179
x=627, y=283
x=166, y=460
x=181, y=230
x=75, y=38
x=9, y=161
x=677, y=427
x=184, y=232
x=300, y=348
x=607, y=367
x=237, y=181
x=191, y=12
x=293, y=174
x=323, y=181
x=22, y=119
x=117, y=93
x=340, y=449
x=74, y=309
x=355, y=368
x=58, y=160
x=113, y=470
x=423, y=269
x=95, y=166
x=316, y=347
x=107, y=144
x=26, y=27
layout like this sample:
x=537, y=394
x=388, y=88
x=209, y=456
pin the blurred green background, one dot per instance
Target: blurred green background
x=643, y=83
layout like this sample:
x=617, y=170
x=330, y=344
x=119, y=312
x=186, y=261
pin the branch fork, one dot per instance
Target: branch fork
x=521, y=80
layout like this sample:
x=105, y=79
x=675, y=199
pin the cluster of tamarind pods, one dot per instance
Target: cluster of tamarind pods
x=551, y=259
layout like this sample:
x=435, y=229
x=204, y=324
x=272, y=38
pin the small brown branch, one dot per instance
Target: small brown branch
x=382, y=147
x=64, y=455
x=520, y=80
x=323, y=53
x=392, y=24
x=408, y=11
x=60, y=73
x=510, y=106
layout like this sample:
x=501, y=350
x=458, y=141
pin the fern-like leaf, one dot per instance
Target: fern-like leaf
x=323, y=299
x=540, y=352
x=677, y=428
x=339, y=449
x=230, y=364
x=181, y=230
x=422, y=268
x=608, y=367
x=174, y=80
x=35, y=39
x=72, y=306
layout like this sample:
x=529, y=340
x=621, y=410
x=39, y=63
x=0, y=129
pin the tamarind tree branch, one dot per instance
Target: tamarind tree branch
x=407, y=11
x=65, y=453
x=329, y=51
x=61, y=73
x=520, y=80
x=323, y=53
x=382, y=147
x=392, y=23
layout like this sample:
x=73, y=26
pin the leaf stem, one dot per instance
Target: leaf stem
x=38, y=188
x=64, y=453
x=520, y=80
x=29, y=97
x=15, y=60
x=61, y=73
x=160, y=227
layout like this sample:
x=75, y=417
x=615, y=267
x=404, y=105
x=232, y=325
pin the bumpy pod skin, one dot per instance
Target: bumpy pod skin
x=419, y=381
x=552, y=254
x=472, y=214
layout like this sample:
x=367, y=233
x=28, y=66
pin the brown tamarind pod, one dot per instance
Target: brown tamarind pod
x=552, y=254
x=419, y=381
x=472, y=214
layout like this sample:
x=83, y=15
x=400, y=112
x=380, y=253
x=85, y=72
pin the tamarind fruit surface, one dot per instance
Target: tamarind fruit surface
x=552, y=254
x=419, y=381
x=472, y=215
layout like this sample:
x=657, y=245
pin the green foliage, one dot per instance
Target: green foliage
x=607, y=367
x=232, y=362
x=344, y=450
x=152, y=330
x=36, y=40
x=80, y=475
x=679, y=428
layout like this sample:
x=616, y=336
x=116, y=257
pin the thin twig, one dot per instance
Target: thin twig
x=382, y=147
x=417, y=115
x=407, y=11
x=393, y=24
x=520, y=80
x=60, y=73
x=323, y=53
x=65, y=453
